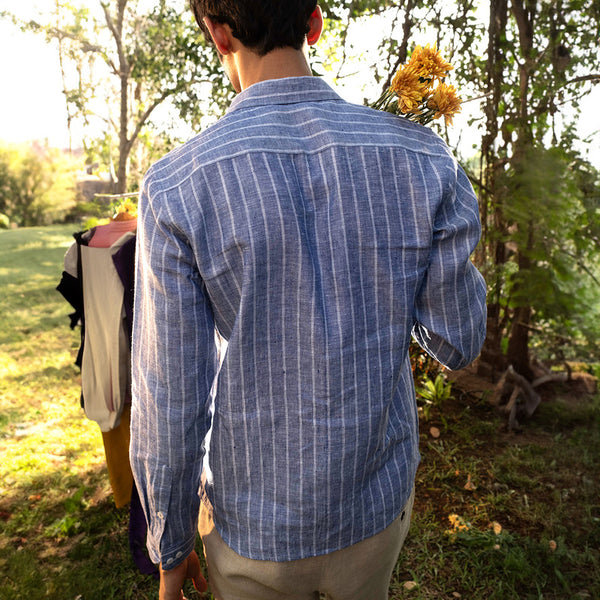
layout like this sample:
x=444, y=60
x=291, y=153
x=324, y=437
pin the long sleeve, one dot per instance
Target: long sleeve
x=315, y=236
x=173, y=363
x=450, y=310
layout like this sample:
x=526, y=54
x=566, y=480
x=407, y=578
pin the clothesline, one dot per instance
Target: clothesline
x=117, y=196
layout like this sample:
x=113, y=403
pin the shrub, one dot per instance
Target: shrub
x=37, y=184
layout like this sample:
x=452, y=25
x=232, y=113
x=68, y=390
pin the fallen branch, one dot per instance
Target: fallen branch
x=516, y=397
x=551, y=378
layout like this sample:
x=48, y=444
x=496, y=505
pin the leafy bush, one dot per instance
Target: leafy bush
x=433, y=393
x=88, y=214
x=37, y=184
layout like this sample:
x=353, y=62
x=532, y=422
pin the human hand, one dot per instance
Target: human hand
x=171, y=581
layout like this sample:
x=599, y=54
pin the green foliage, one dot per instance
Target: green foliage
x=120, y=62
x=433, y=393
x=84, y=212
x=336, y=9
x=37, y=185
x=547, y=203
x=528, y=62
x=171, y=58
x=68, y=523
x=430, y=385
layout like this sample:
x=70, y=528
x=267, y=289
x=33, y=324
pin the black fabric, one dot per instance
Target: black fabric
x=70, y=288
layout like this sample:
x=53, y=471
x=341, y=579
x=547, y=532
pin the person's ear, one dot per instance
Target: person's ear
x=220, y=34
x=315, y=24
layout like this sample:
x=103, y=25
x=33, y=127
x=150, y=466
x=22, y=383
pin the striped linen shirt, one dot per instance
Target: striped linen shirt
x=312, y=236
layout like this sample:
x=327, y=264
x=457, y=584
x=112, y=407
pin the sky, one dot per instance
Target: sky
x=32, y=105
x=31, y=102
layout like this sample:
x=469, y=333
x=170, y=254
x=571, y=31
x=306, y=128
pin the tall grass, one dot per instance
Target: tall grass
x=497, y=516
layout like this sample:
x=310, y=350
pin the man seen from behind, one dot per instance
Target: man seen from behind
x=285, y=257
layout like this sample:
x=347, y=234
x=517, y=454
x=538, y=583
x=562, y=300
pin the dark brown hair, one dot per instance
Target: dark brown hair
x=261, y=25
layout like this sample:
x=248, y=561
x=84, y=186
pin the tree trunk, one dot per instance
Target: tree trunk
x=518, y=343
x=124, y=72
x=123, y=139
x=492, y=250
x=524, y=12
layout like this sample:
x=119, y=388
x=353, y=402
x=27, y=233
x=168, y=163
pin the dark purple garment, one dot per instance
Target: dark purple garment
x=124, y=261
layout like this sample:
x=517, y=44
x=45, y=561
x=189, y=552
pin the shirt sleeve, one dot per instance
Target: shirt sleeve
x=450, y=309
x=173, y=367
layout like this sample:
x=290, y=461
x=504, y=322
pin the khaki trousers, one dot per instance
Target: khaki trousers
x=359, y=572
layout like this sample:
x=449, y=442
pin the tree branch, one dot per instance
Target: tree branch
x=477, y=181
x=593, y=77
x=403, y=50
x=125, y=67
x=86, y=46
x=146, y=115
x=580, y=264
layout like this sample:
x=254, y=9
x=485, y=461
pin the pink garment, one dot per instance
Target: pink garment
x=106, y=235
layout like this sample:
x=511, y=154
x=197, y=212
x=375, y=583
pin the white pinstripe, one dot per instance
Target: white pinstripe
x=302, y=228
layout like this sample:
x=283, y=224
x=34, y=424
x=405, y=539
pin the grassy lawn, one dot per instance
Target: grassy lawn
x=61, y=536
x=498, y=515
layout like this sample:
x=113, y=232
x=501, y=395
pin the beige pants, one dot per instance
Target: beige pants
x=359, y=572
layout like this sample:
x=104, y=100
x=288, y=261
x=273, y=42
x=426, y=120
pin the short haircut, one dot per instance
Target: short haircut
x=261, y=25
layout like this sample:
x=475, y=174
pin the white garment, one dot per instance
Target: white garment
x=105, y=368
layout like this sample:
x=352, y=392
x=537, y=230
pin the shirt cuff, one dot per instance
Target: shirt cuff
x=173, y=558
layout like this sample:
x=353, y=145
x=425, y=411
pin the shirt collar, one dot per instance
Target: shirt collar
x=289, y=90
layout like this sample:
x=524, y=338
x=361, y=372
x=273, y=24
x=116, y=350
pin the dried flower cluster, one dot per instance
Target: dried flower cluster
x=459, y=527
x=418, y=91
x=126, y=209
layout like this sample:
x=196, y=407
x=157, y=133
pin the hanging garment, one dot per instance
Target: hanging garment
x=93, y=286
x=105, y=368
x=98, y=282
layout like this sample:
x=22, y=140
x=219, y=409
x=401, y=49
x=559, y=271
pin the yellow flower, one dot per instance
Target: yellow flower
x=457, y=523
x=444, y=102
x=428, y=63
x=497, y=528
x=125, y=210
x=409, y=88
x=412, y=95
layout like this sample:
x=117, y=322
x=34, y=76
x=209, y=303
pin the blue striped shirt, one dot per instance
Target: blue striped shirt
x=285, y=256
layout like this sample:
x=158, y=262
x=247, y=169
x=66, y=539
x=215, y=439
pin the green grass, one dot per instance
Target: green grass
x=61, y=535
x=62, y=538
x=541, y=488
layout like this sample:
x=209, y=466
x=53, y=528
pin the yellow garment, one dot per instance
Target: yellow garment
x=116, y=449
